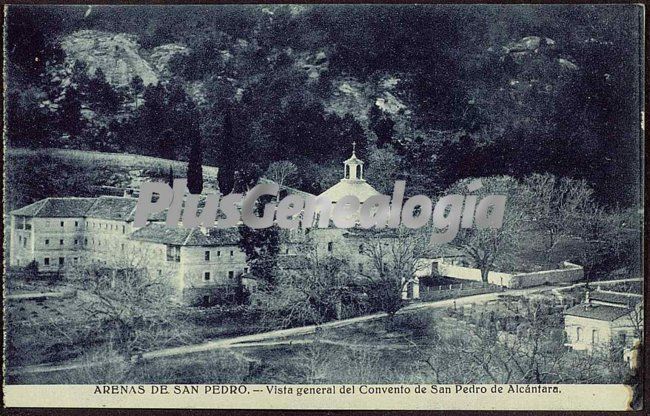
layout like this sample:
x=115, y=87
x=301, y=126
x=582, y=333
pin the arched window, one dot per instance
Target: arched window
x=358, y=173
x=578, y=333
x=347, y=171
x=594, y=336
x=330, y=246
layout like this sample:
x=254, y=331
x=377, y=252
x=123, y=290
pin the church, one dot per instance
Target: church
x=59, y=235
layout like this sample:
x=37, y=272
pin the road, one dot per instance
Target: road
x=276, y=337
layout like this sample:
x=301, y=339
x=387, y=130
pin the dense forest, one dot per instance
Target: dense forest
x=432, y=94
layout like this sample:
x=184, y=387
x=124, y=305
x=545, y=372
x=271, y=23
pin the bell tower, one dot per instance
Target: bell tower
x=353, y=166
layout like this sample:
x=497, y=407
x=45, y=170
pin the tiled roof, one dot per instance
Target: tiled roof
x=103, y=207
x=599, y=312
x=161, y=233
x=57, y=208
x=615, y=298
x=31, y=209
x=113, y=208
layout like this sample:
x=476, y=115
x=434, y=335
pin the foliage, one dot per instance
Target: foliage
x=554, y=101
x=133, y=308
x=195, y=167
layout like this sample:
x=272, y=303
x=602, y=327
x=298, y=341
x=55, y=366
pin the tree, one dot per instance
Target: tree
x=382, y=125
x=137, y=87
x=70, y=118
x=283, y=172
x=226, y=159
x=606, y=238
x=393, y=256
x=261, y=247
x=383, y=166
x=487, y=247
x=134, y=309
x=170, y=177
x=310, y=291
x=101, y=95
x=195, y=167
x=553, y=204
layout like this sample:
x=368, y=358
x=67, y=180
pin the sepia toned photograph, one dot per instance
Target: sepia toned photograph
x=314, y=206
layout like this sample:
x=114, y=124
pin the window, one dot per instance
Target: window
x=122, y=245
x=286, y=251
x=47, y=242
x=62, y=223
x=85, y=241
x=206, y=276
x=46, y=261
x=25, y=242
x=360, y=267
x=231, y=274
x=75, y=260
x=245, y=269
x=231, y=253
x=360, y=248
x=218, y=253
x=61, y=261
x=578, y=333
x=347, y=171
x=86, y=223
x=330, y=246
x=123, y=229
x=76, y=223
x=174, y=253
x=594, y=336
x=76, y=242
x=206, y=255
x=20, y=239
x=159, y=272
x=61, y=242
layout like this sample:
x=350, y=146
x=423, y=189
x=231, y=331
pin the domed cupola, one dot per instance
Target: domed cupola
x=353, y=166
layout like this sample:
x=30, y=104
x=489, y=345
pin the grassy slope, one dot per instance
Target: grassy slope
x=124, y=160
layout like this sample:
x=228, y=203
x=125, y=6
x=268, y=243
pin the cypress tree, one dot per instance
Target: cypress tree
x=170, y=177
x=194, y=167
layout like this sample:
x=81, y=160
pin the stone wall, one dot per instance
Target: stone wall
x=569, y=272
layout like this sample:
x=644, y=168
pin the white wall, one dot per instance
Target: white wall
x=568, y=273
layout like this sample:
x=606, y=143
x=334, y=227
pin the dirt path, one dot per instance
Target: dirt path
x=278, y=337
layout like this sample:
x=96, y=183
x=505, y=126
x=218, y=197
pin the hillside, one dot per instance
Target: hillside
x=430, y=93
x=67, y=172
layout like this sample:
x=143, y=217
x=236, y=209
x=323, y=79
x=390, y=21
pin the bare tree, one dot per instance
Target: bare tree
x=134, y=308
x=283, y=172
x=605, y=234
x=488, y=246
x=553, y=203
x=310, y=292
x=394, y=257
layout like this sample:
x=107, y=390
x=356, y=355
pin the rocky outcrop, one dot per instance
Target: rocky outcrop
x=353, y=97
x=117, y=54
x=160, y=56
